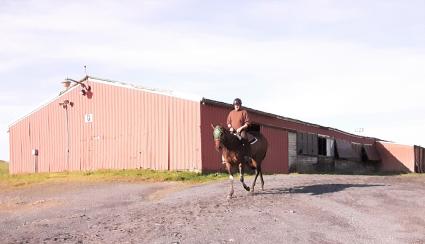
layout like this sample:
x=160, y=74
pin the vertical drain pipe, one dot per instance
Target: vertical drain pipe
x=64, y=105
x=67, y=138
x=168, y=139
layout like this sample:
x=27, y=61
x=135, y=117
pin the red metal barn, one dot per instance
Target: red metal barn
x=282, y=134
x=115, y=126
x=103, y=124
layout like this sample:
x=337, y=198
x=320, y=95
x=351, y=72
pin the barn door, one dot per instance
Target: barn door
x=292, y=151
x=419, y=159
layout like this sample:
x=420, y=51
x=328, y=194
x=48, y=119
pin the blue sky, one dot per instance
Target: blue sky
x=344, y=64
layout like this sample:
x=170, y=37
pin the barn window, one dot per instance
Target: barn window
x=344, y=149
x=307, y=144
x=321, y=141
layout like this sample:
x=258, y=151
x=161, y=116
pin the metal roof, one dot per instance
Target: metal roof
x=227, y=105
x=171, y=93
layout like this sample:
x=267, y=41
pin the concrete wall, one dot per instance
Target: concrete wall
x=305, y=164
x=353, y=167
x=325, y=164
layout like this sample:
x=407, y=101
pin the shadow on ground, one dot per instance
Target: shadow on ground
x=315, y=189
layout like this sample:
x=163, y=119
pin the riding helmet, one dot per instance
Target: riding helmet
x=237, y=101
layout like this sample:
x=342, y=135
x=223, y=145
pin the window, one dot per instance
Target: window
x=307, y=144
x=321, y=141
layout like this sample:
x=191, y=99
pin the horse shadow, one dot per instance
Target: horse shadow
x=314, y=189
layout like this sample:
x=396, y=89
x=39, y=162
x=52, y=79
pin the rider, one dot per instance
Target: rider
x=238, y=120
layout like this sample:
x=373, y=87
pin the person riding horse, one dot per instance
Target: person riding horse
x=238, y=121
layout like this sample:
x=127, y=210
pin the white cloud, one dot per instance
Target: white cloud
x=252, y=53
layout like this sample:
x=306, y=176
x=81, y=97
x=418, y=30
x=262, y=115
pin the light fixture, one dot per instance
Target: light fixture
x=65, y=104
x=86, y=89
x=66, y=84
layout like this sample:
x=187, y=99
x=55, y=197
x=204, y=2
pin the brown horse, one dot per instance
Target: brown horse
x=233, y=154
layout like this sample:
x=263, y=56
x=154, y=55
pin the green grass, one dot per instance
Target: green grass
x=4, y=169
x=131, y=175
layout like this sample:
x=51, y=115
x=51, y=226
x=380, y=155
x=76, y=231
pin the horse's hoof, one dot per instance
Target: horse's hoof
x=230, y=194
x=247, y=188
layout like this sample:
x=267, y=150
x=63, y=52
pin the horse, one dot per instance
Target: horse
x=234, y=154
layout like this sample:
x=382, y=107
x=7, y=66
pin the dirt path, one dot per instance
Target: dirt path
x=292, y=209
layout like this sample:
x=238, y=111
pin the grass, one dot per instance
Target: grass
x=4, y=169
x=131, y=175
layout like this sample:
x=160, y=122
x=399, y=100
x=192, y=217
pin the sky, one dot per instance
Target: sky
x=343, y=64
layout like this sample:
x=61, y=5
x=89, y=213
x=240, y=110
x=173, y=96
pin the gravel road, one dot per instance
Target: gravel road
x=292, y=209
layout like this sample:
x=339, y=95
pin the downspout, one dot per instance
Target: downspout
x=67, y=138
x=168, y=139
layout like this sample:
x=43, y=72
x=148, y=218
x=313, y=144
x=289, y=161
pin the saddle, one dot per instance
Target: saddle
x=251, y=138
x=250, y=132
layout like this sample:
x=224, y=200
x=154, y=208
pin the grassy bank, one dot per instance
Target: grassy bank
x=132, y=175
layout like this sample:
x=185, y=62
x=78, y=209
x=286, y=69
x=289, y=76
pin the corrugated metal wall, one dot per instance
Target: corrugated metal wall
x=45, y=131
x=277, y=133
x=277, y=158
x=131, y=128
x=396, y=157
x=211, y=159
x=134, y=128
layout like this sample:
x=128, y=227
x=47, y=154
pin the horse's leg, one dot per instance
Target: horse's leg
x=229, y=170
x=261, y=177
x=255, y=180
x=241, y=172
x=254, y=165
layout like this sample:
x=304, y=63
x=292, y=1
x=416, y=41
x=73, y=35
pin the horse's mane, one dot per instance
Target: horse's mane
x=231, y=142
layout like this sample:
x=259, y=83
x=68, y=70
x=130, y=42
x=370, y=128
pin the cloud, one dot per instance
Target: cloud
x=327, y=62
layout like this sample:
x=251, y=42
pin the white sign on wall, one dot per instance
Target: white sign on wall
x=88, y=118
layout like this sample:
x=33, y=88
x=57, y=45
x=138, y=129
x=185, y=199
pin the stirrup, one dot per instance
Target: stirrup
x=253, y=141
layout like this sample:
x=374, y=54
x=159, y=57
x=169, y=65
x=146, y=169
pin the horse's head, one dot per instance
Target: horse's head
x=218, y=135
